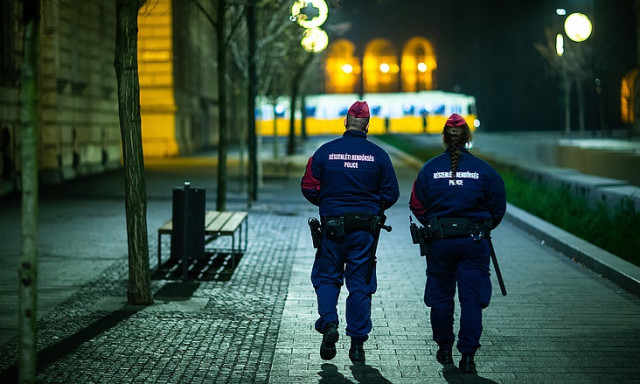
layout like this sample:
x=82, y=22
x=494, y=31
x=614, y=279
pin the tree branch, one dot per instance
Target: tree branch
x=207, y=15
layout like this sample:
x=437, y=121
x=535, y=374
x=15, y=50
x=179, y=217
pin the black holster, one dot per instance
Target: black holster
x=419, y=235
x=316, y=231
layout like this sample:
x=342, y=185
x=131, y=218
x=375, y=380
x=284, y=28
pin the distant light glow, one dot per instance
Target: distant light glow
x=578, y=27
x=279, y=109
x=314, y=40
x=422, y=67
x=385, y=68
x=303, y=20
x=561, y=11
x=347, y=68
x=476, y=123
x=559, y=44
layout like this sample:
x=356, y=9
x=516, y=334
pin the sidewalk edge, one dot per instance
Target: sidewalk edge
x=610, y=266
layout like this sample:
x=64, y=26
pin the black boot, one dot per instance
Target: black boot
x=356, y=353
x=329, y=337
x=444, y=356
x=467, y=365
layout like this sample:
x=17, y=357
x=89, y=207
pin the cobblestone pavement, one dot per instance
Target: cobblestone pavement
x=560, y=323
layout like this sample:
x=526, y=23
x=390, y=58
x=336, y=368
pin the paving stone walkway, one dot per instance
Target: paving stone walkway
x=559, y=323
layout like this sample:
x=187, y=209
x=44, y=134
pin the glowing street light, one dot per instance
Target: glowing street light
x=303, y=20
x=578, y=27
x=314, y=40
x=422, y=67
x=384, y=68
x=347, y=68
x=559, y=44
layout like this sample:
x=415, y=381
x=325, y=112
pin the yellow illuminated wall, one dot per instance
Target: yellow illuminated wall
x=155, y=67
x=342, y=69
x=627, y=97
x=418, y=65
x=380, y=65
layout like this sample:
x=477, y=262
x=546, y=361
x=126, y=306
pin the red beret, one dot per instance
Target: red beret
x=455, y=120
x=359, y=109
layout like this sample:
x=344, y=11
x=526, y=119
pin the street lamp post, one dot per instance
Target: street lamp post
x=566, y=84
x=578, y=28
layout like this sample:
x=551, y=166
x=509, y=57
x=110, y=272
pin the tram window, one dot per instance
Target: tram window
x=311, y=111
x=408, y=110
x=375, y=110
x=438, y=110
x=456, y=108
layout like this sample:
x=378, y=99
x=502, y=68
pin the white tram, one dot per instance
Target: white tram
x=417, y=112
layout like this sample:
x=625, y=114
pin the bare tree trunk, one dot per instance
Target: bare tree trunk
x=29, y=260
x=566, y=85
x=126, y=66
x=221, y=200
x=291, y=143
x=580, y=97
x=251, y=104
x=295, y=89
x=275, y=130
x=303, y=117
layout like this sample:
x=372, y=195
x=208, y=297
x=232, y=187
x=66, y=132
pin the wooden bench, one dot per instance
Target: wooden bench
x=217, y=224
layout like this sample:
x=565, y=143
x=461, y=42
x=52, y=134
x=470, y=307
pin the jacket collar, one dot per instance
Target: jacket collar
x=354, y=133
x=462, y=149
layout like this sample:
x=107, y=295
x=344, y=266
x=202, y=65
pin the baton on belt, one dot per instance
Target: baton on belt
x=376, y=235
x=497, y=267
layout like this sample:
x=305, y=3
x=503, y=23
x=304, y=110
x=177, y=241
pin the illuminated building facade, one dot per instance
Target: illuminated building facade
x=79, y=129
x=382, y=68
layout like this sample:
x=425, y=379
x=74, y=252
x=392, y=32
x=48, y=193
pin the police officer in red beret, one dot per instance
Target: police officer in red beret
x=460, y=199
x=350, y=179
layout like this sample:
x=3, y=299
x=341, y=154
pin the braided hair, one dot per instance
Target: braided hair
x=455, y=137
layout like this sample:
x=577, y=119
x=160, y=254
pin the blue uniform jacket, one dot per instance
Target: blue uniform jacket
x=477, y=192
x=350, y=174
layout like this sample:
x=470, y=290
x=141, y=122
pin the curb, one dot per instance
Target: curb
x=608, y=265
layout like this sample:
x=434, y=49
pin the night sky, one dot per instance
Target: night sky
x=486, y=48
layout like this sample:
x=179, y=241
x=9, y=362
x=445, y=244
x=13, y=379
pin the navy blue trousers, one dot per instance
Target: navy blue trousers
x=341, y=262
x=465, y=263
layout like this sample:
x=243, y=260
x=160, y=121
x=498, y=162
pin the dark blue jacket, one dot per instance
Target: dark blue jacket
x=477, y=192
x=350, y=174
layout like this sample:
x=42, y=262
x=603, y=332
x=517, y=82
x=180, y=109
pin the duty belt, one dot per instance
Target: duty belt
x=350, y=222
x=452, y=227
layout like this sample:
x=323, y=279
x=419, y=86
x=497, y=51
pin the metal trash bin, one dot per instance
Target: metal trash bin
x=194, y=211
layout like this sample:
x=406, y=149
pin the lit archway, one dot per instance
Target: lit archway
x=627, y=97
x=342, y=68
x=380, y=66
x=418, y=65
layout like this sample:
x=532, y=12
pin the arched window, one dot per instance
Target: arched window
x=418, y=65
x=380, y=65
x=343, y=72
x=627, y=97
